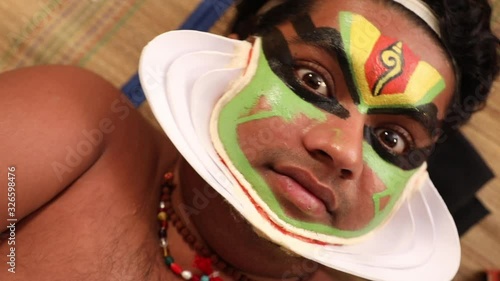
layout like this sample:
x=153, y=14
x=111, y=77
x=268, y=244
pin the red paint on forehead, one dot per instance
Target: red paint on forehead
x=375, y=69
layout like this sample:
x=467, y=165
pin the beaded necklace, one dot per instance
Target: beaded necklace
x=202, y=262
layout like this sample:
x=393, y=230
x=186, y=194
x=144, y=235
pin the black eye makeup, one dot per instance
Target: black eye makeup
x=394, y=138
x=283, y=64
x=315, y=78
x=425, y=115
x=396, y=145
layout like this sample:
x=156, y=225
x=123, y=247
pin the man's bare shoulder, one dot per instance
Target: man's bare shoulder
x=47, y=113
x=90, y=167
x=102, y=227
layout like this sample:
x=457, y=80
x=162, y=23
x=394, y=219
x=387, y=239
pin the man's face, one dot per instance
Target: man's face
x=342, y=112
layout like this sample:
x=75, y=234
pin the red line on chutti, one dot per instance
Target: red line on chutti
x=248, y=60
x=266, y=216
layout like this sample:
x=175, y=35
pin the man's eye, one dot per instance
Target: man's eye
x=312, y=80
x=394, y=141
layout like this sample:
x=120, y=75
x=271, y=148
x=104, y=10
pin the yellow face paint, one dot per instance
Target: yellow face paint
x=338, y=135
x=386, y=72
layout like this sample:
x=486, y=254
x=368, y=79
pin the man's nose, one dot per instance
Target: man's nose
x=338, y=143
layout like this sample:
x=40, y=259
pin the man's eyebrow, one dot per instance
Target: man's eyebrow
x=425, y=115
x=325, y=38
x=329, y=40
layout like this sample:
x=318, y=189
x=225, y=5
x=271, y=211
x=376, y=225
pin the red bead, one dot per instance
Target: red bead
x=176, y=268
x=190, y=239
x=237, y=275
x=169, y=176
x=205, y=252
x=214, y=258
x=185, y=232
x=203, y=264
x=229, y=271
x=176, y=219
x=195, y=278
x=221, y=265
x=198, y=246
x=178, y=224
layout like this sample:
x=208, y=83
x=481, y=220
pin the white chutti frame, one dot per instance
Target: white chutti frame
x=184, y=73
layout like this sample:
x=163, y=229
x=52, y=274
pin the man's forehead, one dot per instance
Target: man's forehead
x=387, y=71
x=383, y=74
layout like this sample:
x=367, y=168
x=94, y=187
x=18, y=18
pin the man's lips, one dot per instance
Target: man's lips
x=301, y=188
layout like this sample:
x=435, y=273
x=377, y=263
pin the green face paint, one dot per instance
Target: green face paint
x=394, y=179
x=388, y=76
x=286, y=105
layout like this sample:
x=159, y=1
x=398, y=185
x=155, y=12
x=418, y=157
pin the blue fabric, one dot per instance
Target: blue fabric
x=202, y=19
x=133, y=90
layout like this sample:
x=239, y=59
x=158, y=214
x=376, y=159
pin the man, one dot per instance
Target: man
x=96, y=218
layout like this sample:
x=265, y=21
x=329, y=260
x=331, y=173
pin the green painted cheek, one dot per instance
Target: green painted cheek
x=287, y=105
x=394, y=179
x=359, y=37
x=283, y=103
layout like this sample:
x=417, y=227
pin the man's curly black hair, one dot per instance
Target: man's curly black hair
x=465, y=33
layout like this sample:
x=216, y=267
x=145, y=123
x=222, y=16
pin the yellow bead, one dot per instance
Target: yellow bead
x=162, y=216
x=165, y=252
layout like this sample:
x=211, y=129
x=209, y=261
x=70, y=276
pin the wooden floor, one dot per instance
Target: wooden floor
x=108, y=35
